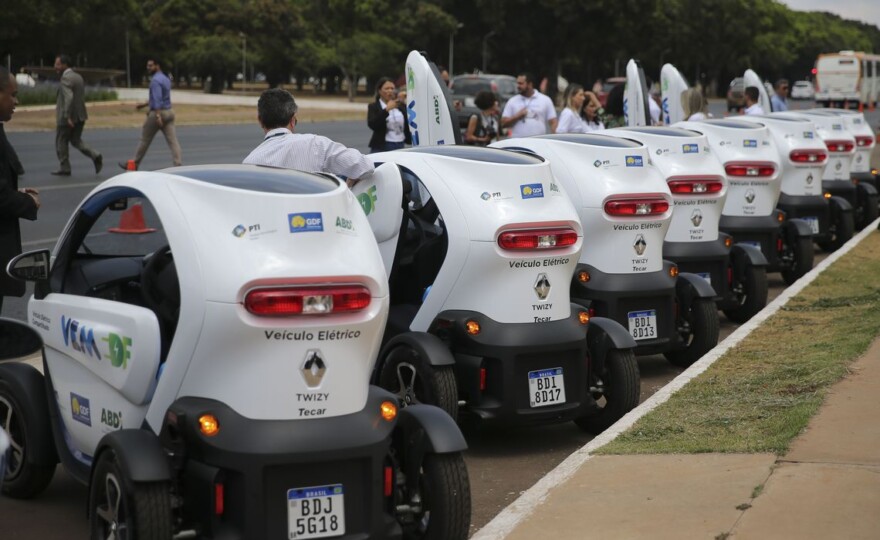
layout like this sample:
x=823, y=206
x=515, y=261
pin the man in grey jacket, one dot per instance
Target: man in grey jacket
x=70, y=118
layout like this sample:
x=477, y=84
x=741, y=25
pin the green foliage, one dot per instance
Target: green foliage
x=45, y=94
x=210, y=56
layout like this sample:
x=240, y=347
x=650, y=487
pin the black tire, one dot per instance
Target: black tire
x=115, y=511
x=619, y=394
x=26, y=474
x=842, y=230
x=414, y=380
x=445, y=500
x=801, y=257
x=750, y=293
x=698, y=328
x=868, y=212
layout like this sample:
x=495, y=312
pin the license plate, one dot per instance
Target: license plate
x=814, y=224
x=546, y=387
x=707, y=276
x=643, y=324
x=315, y=512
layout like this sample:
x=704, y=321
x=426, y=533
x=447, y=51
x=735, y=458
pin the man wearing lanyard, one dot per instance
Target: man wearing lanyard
x=529, y=112
x=159, y=117
x=281, y=147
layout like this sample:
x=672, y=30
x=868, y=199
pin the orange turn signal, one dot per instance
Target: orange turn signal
x=208, y=425
x=673, y=271
x=780, y=217
x=472, y=327
x=827, y=195
x=728, y=242
x=583, y=276
x=388, y=411
x=583, y=317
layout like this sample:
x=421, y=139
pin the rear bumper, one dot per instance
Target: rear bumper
x=706, y=259
x=761, y=231
x=808, y=206
x=508, y=352
x=258, y=461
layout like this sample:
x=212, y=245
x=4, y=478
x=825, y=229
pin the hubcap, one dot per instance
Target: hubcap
x=406, y=381
x=11, y=425
x=109, y=512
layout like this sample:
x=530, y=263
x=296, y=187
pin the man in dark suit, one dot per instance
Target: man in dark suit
x=70, y=118
x=14, y=203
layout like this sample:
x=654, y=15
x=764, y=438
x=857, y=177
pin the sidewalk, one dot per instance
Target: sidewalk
x=827, y=486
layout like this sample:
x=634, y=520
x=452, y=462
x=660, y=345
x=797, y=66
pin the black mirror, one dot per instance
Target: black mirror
x=30, y=266
x=119, y=204
x=18, y=340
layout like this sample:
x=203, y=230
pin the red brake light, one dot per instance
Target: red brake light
x=751, y=170
x=308, y=300
x=808, y=156
x=694, y=186
x=840, y=146
x=863, y=141
x=636, y=207
x=537, y=239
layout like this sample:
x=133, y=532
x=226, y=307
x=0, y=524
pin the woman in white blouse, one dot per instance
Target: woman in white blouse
x=694, y=104
x=387, y=118
x=573, y=119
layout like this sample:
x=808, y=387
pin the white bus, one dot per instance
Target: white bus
x=847, y=79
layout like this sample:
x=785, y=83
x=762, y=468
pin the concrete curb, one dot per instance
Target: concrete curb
x=520, y=509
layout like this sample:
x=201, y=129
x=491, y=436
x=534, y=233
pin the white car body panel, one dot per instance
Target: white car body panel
x=791, y=134
x=832, y=128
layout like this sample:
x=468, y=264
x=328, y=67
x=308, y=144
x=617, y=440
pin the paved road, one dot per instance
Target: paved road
x=501, y=464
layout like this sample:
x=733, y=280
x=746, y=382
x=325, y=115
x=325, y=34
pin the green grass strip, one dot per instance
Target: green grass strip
x=761, y=394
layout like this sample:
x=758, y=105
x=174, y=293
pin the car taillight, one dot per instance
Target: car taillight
x=694, y=186
x=751, y=170
x=537, y=239
x=308, y=300
x=840, y=146
x=863, y=141
x=636, y=207
x=808, y=156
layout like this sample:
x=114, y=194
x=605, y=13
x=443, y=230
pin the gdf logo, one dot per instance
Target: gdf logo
x=305, y=222
x=368, y=200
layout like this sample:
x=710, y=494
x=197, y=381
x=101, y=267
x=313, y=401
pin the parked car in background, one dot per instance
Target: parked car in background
x=607, y=85
x=466, y=87
x=802, y=90
x=735, y=97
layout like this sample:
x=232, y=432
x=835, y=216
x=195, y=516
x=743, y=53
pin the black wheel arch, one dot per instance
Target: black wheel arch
x=794, y=228
x=431, y=428
x=139, y=454
x=604, y=335
x=428, y=346
x=690, y=287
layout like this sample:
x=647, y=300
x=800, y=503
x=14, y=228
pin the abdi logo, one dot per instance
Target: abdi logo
x=634, y=161
x=80, y=410
x=305, y=222
x=531, y=191
x=690, y=148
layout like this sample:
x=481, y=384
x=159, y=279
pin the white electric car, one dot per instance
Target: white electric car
x=480, y=246
x=625, y=208
x=698, y=185
x=837, y=178
x=208, y=374
x=860, y=170
x=803, y=156
x=751, y=161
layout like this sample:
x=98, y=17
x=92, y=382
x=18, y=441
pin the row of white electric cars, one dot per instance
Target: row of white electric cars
x=263, y=353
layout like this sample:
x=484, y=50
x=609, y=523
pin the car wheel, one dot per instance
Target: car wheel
x=801, y=258
x=415, y=380
x=616, y=392
x=868, y=210
x=442, y=507
x=750, y=292
x=698, y=331
x=120, y=508
x=26, y=475
x=841, y=232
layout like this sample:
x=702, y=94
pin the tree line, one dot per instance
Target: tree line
x=708, y=40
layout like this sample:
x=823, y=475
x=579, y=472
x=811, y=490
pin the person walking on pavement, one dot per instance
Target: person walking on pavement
x=529, y=112
x=281, y=147
x=70, y=118
x=160, y=116
x=15, y=203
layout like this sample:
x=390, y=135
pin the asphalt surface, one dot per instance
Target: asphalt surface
x=501, y=464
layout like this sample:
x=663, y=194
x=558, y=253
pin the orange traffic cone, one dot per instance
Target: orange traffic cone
x=130, y=165
x=132, y=221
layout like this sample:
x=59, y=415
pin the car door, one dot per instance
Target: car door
x=102, y=346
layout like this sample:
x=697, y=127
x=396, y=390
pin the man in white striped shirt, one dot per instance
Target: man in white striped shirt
x=276, y=111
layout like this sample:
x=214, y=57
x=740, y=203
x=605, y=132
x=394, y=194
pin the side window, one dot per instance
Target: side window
x=133, y=232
